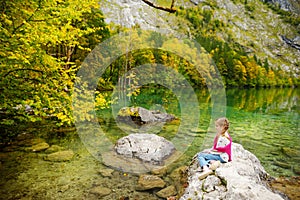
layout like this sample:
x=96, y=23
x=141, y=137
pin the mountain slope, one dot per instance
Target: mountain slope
x=251, y=24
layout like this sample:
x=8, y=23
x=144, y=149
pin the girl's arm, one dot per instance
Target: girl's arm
x=221, y=149
x=222, y=144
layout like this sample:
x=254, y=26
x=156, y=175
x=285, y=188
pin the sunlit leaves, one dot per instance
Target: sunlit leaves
x=42, y=45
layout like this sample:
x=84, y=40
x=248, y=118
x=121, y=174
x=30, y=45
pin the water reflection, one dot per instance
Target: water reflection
x=264, y=121
x=272, y=101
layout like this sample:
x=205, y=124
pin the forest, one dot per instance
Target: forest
x=43, y=44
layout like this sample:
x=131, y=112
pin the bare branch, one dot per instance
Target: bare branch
x=170, y=10
x=34, y=70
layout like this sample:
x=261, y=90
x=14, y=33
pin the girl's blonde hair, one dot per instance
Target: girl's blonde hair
x=223, y=122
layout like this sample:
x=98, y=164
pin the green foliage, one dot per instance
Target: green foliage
x=42, y=45
x=238, y=69
x=249, y=7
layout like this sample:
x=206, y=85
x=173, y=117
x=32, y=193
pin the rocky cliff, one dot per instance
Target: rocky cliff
x=251, y=24
x=289, y=5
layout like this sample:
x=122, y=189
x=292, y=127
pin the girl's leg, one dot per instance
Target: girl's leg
x=205, y=158
x=213, y=157
x=202, y=159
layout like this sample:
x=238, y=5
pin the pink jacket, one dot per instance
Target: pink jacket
x=225, y=149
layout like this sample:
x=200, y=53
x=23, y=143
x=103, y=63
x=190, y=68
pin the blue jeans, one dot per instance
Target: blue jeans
x=205, y=158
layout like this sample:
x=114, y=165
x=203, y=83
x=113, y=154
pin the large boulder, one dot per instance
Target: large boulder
x=141, y=115
x=242, y=178
x=140, y=153
x=146, y=147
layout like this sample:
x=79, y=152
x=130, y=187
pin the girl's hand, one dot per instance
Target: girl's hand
x=206, y=150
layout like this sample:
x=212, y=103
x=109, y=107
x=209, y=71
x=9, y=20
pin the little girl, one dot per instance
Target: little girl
x=221, y=150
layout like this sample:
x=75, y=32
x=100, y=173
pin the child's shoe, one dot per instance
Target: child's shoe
x=215, y=165
x=204, y=174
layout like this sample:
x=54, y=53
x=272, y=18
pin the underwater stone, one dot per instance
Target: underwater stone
x=106, y=172
x=100, y=191
x=291, y=152
x=54, y=148
x=60, y=156
x=38, y=147
x=147, y=182
x=167, y=192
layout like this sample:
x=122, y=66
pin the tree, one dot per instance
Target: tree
x=42, y=45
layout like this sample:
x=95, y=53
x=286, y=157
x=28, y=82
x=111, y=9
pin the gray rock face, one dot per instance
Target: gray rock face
x=130, y=13
x=289, y=5
x=242, y=178
x=146, y=147
x=255, y=35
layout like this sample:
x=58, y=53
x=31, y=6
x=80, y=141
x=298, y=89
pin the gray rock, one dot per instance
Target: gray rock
x=285, y=5
x=210, y=183
x=147, y=182
x=100, y=191
x=196, y=2
x=38, y=147
x=134, y=165
x=135, y=12
x=54, y=148
x=146, y=115
x=60, y=156
x=242, y=178
x=167, y=192
x=143, y=116
x=106, y=172
x=146, y=147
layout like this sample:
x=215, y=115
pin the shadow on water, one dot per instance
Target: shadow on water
x=264, y=121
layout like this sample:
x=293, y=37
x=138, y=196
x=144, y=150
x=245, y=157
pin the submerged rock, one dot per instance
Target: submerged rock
x=289, y=186
x=147, y=182
x=242, y=178
x=167, y=192
x=106, y=172
x=54, y=148
x=60, y=156
x=38, y=147
x=100, y=191
x=290, y=152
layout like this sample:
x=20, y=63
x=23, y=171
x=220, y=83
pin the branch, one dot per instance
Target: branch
x=170, y=10
x=27, y=20
x=35, y=70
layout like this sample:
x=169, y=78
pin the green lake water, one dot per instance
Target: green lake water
x=264, y=121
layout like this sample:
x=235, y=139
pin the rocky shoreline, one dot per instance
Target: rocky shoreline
x=242, y=178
